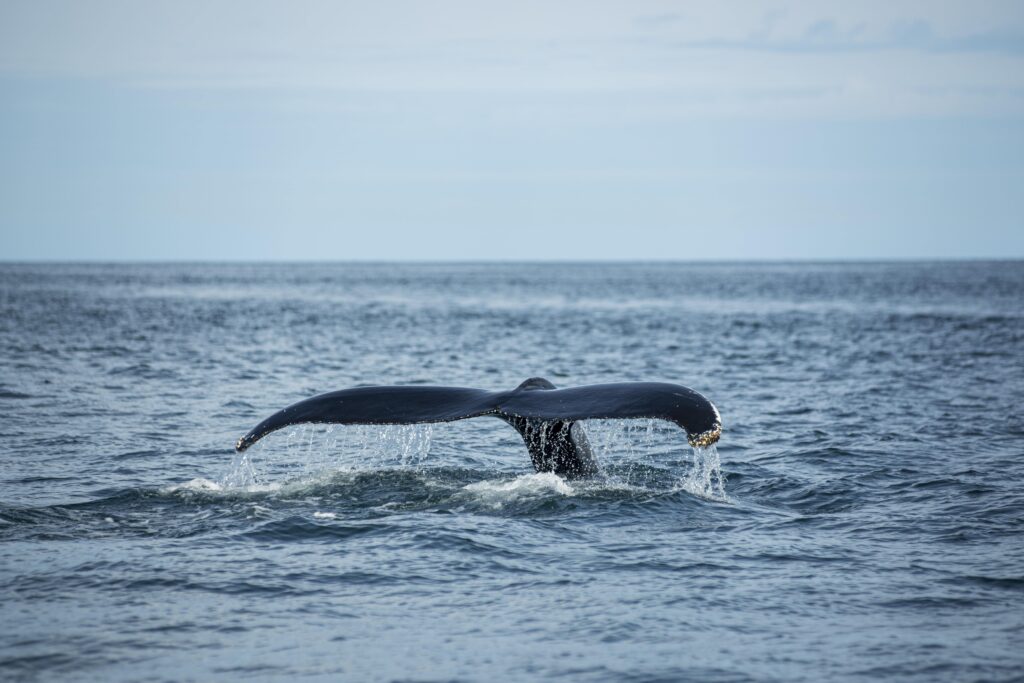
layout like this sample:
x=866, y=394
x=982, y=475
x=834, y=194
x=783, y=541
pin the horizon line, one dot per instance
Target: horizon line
x=540, y=261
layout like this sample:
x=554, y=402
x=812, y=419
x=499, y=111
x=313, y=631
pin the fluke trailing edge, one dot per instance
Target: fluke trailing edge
x=546, y=417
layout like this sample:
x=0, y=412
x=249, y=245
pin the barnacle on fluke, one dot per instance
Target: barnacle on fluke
x=705, y=439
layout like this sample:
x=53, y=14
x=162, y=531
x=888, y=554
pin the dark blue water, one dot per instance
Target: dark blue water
x=870, y=525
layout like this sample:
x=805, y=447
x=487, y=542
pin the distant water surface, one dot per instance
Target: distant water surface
x=865, y=521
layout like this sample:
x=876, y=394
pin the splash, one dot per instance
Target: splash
x=612, y=439
x=705, y=478
x=309, y=451
x=240, y=474
x=635, y=449
x=635, y=455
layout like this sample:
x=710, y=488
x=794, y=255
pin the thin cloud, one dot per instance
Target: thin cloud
x=657, y=21
x=824, y=36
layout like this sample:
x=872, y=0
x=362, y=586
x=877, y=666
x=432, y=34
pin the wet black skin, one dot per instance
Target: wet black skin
x=546, y=417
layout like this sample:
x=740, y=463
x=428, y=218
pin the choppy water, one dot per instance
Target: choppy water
x=870, y=525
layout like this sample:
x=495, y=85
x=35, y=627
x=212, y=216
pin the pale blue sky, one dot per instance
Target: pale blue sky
x=547, y=130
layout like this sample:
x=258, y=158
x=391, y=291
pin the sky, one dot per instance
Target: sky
x=467, y=130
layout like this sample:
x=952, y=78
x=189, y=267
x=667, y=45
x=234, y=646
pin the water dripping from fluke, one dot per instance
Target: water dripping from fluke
x=705, y=478
x=642, y=456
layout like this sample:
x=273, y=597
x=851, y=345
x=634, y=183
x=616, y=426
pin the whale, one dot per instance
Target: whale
x=547, y=418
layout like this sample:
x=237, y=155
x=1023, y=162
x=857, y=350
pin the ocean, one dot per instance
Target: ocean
x=861, y=519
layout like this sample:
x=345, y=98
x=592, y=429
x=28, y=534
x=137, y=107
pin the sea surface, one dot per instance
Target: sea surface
x=862, y=518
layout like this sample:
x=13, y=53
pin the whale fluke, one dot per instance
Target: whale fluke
x=545, y=416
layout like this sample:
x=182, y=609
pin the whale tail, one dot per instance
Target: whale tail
x=546, y=417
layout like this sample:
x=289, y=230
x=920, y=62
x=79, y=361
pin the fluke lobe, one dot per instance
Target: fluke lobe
x=546, y=417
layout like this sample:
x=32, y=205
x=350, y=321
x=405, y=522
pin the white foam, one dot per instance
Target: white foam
x=498, y=493
x=201, y=485
x=324, y=515
x=195, y=485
